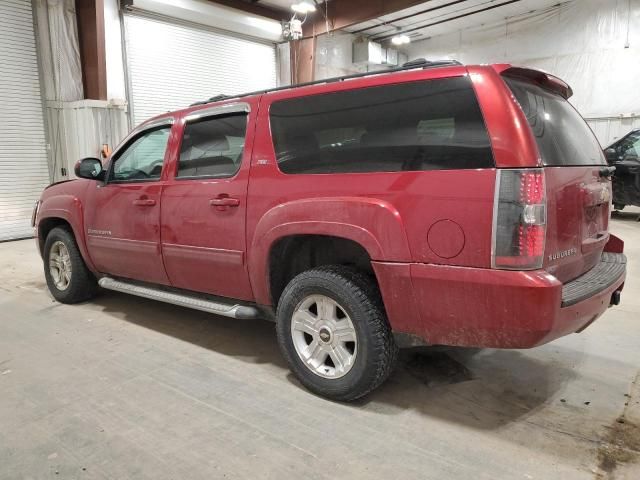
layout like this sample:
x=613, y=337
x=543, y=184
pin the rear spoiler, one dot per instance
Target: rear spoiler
x=540, y=78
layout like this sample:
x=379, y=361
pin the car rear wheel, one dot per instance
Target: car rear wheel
x=618, y=206
x=68, y=278
x=334, y=333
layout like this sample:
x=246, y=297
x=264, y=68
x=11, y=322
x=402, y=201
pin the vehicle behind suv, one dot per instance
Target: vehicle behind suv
x=624, y=155
x=439, y=204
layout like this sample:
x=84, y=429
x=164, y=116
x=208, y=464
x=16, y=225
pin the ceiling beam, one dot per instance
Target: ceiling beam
x=345, y=13
x=406, y=30
x=256, y=9
x=410, y=15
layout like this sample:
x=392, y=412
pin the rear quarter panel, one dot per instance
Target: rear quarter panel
x=511, y=139
x=439, y=217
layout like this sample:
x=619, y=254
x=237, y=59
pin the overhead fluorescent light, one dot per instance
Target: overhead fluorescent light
x=400, y=39
x=303, y=7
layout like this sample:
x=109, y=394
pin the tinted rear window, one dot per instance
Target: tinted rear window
x=563, y=137
x=213, y=146
x=428, y=125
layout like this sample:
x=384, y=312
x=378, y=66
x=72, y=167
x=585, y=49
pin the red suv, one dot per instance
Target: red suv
x=439, y=204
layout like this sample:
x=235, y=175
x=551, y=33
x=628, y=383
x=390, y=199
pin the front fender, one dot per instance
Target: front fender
x=66, y=206
x=374, y=224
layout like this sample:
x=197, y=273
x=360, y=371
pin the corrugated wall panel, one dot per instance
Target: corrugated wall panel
x=23, y=157
x=173, y=65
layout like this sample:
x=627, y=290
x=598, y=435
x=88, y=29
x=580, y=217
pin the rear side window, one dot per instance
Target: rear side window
x=212, y=147
x=563, y=137
x=427, y=125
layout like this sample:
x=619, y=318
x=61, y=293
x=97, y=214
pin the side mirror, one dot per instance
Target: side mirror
x=611, y=155
x=89, y=168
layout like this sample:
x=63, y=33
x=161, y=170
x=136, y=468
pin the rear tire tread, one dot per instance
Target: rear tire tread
x=365, y=292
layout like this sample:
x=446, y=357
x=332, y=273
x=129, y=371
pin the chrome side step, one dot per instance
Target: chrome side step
x=218, y=308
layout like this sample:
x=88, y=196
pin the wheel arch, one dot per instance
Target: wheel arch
x=66, y=211
x=371, y=227
x=291, y=255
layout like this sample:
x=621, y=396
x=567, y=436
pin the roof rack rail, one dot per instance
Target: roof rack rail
x=423, y=62
x=413, y=64
x=215, y=98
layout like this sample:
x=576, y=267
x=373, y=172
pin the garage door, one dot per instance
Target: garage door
x=172, y=65
x=23, y=158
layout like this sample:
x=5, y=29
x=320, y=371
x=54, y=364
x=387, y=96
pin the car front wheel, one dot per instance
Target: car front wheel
x=68, y=278
x=334, y=333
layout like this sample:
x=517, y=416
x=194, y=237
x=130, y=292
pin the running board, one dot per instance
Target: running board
x=224, y=309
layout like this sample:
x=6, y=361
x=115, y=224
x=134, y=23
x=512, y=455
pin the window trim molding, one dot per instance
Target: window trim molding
x=236, y=107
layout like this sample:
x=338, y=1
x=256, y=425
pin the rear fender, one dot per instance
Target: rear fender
x=372, y=223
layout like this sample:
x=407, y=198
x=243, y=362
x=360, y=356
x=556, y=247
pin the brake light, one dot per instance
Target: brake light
x=519, y=220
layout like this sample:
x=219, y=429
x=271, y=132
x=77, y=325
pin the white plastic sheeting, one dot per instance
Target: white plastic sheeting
x=58, y=47
x=76, y=128
x=594, y=45
x=82, y=128
x=334, y=55
x=610, y=129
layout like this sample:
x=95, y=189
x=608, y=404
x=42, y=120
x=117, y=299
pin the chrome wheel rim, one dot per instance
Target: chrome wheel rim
x=60, y=265
x=324, y=336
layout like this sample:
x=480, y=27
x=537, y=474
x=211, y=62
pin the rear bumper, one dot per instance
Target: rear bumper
x=606, y=273
x=475, y=307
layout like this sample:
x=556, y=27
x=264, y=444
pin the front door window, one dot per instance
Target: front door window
x=142, y=159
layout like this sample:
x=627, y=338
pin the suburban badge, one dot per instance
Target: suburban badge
x=562, y=254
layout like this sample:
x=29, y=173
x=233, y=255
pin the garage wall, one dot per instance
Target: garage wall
x=23, y=156
x=172, y=65
x=594, y=45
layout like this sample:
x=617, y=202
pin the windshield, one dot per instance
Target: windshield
x=563, y=137
x=630, y=145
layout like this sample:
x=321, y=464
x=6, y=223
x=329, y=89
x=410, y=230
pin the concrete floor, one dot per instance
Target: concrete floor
x=127, y=388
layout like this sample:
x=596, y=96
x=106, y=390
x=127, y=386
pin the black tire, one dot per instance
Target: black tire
x=82, y=283
x=358, y=295
x=618, y=207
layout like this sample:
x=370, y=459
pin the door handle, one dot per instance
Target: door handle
x=224, y=202
x=144, y=202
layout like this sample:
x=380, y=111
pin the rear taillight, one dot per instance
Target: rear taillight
x=519, y=219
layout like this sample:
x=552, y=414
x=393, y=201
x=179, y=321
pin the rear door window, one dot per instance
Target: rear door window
x=212, y=147
x=427, y=125
x=563, y=137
